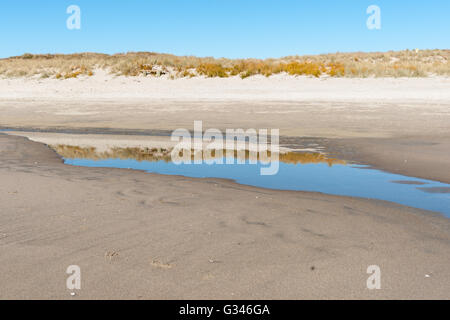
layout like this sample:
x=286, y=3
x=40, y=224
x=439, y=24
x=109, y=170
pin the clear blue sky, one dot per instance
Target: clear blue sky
x=222, y=28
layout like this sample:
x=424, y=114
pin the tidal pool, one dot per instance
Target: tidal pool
x=310, y=172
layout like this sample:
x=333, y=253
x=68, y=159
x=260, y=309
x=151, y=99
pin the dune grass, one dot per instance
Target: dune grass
x=381, y=64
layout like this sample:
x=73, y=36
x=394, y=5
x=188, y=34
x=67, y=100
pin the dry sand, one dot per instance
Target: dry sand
x=138, y=235
x=325, y=107
x=282, y=87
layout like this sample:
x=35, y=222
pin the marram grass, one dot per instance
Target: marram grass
x=405, y=63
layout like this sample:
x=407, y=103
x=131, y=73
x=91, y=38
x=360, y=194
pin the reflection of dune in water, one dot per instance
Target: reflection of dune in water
x=308, y=157
x=140, y=154
x=158, y=154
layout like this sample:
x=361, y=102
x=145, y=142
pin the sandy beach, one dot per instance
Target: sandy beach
x=137, y=235
x=225, y=159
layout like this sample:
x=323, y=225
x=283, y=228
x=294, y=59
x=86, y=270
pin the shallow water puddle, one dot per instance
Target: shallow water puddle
x=304, y=172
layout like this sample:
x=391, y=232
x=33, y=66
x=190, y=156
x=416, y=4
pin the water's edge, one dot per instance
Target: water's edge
x=341, y=180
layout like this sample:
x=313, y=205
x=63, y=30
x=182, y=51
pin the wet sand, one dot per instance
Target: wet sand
x=426, y=157
x=137, y=235
x=421, y=156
